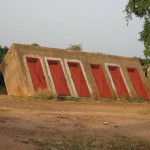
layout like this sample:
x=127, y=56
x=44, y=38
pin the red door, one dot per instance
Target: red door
x=137, y=83
x=100, y=80
x=36, y=73
x=118, y=81
x=79, y=79
x=58, y=78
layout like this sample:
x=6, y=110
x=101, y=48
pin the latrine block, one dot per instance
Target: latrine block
x=29, y=69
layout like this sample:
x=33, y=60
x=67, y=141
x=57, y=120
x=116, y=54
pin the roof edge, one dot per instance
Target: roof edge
x=17, y=45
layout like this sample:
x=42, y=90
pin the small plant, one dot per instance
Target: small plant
x=122, y=99
x=136, y=99
x=77, y=47
x=68, y=98
x=44, y=95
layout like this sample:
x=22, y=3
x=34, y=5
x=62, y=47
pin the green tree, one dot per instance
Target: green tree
x=141, y=9
x=75, y=47
x=35, y=44
x=3, y=51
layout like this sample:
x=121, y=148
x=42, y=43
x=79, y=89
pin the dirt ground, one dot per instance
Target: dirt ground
x=22, y=119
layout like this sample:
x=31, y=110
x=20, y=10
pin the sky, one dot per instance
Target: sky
x=99, y=25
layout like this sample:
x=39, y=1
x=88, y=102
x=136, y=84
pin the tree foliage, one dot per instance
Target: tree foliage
x=144, y=62
x=75, y=47
x=3, y=51
x=35, y=44
x=141, y=9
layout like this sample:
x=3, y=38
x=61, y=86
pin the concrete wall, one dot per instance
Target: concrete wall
x=21, y=83
x=11, y=71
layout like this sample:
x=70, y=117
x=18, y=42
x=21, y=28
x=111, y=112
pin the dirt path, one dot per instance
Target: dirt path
x=22, y=119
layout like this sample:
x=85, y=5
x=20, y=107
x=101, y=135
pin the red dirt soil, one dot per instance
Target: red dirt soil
x=21, y=119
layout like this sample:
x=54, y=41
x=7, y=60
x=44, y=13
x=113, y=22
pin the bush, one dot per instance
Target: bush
x=44, y=95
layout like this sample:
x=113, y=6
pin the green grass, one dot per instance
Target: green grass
x=68, y=99
x=133, y=99
x=90, y=143
x=123, y=99
x=44, y=95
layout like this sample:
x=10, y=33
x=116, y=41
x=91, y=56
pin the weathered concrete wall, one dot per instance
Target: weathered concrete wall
x=12, y=74
x=22, y=81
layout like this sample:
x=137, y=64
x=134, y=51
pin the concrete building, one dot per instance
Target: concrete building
x=27, y=69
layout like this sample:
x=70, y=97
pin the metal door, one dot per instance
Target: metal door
x=137, y=83
x=118, y=81
x=101, y=81
x=79, y=79
x=59, y=79
x=36, y=73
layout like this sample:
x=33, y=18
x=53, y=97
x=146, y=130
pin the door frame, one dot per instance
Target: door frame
x=133, y=85
x=31, y=89
x=103, y=72
x=50, y=75
x=111, y=79
x=70, y=76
